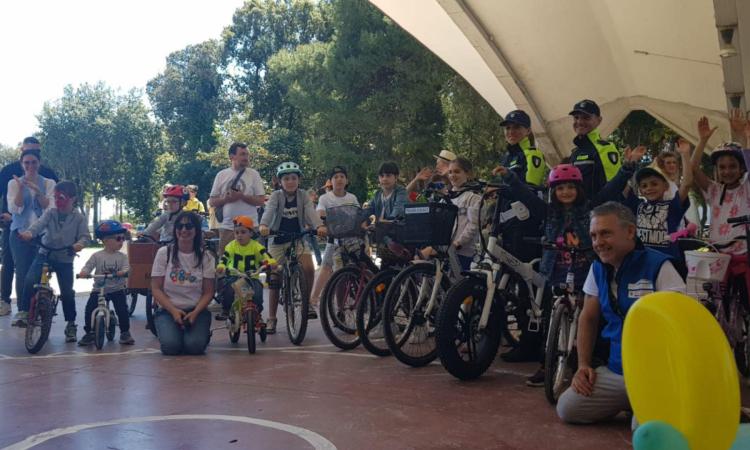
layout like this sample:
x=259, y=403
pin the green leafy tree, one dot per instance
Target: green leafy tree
x=8, y=154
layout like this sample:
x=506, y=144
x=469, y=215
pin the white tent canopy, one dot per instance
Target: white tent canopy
x=543, y=56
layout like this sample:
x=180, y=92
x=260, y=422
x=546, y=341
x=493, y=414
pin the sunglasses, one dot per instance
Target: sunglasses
x=184, y=226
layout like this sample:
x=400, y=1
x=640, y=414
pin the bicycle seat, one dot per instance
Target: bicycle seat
x=401, y=252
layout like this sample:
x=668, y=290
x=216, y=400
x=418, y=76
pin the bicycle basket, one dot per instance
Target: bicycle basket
x=344, y=221
x=428, y=224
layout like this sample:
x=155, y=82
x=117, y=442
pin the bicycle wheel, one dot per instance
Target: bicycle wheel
x=133, y=302
x=234, y=325
x=557, y=373
x=409, y=330
x=112, y=326
x=742, y=346
x=100, y=326
x=338, y=306
x=465, y=352
x=39, y=322
x=297, y=305
x=150, y=311
x=516, y=306
x=250, y=318
x=370, y=313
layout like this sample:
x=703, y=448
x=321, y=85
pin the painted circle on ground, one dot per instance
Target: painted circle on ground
x=317, y=441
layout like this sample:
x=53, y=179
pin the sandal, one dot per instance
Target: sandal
x=271, y=326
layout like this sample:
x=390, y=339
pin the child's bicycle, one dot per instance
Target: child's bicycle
x=567, y=304
x=243, y=315
x=295, y=295
x=42, y=306
x=103, y=319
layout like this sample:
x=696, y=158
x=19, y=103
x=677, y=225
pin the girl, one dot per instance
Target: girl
x=467, y=222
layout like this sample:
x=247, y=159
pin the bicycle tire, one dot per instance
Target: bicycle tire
x=409, y=347
x=556, y=357
x=112, y=326
x=250, y=317
x=328, y=320
x=233, y=326
x=150, y=311
x=38, y=326
x=298, y=300
x=100, y=327
x=456, y=330
x=133, y=302
x=370, y=312
x=742, y=347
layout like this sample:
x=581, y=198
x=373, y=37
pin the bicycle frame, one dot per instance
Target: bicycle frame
x=43, y=285
x=453, y=272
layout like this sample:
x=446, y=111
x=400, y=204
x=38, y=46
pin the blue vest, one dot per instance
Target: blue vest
x=635, y=278
x=31, y=206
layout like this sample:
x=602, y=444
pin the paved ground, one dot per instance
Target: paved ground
x=312, y=396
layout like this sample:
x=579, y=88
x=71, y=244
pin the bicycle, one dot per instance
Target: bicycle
x=103, y=319
x=243, y=315
x=42, y=306
x=567, y=304
x=721, y=278
x=295, y=295
x=473, y=316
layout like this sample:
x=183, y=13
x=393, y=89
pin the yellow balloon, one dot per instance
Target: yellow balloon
x=679, y=369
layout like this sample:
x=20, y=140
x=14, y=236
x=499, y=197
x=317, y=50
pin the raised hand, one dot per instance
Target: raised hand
x=634, y=154
x=704, y=129
x=683, y=147
x=500, y=170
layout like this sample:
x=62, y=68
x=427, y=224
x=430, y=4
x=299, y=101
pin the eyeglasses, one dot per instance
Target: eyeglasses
x=186, y=226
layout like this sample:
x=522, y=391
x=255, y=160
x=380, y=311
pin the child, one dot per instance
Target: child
x=108, y=261
x=175, y=198
x=388, y=203
x=289, y=211
x=243, y=254
x=62, y=226
x=467, y=222
x=656, y=217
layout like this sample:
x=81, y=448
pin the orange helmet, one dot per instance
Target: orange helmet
x=243, y=221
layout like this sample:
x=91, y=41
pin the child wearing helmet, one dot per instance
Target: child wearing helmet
x=243, y=254
x=175, y=198
x=565, y=220
x=289, y=211
x=110, y=260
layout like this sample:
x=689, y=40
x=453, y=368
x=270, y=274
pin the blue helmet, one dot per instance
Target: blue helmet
x=109, y=228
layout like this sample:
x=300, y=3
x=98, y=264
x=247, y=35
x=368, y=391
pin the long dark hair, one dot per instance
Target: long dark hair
x=197, y=240
x=580, y=197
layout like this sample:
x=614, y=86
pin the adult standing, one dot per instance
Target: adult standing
x=624, y=272
x=182, y=280
x=237, y=191
x=6, y=175
x=28, y=196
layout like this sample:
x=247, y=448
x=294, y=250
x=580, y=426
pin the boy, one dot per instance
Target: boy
x=656, y=216
x=175, y=198
x=388, y=203
x=289, y=211
x=243, y=254
x=62, y=226
x=108, y=261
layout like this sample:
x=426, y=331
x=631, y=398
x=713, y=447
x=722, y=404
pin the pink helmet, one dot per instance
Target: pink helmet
x=565, y=173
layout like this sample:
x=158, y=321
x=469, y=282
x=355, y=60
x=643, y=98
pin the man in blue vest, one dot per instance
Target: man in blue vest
x=624, y=272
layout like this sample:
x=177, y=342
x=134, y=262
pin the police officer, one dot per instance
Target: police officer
x=597, y=159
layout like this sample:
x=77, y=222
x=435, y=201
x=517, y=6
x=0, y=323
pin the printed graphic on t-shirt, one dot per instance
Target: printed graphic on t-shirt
x=289, y=211
x=181, y=276
x=640, y=288
x=652, y=223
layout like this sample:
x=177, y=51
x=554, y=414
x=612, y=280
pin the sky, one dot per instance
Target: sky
x=48, y=44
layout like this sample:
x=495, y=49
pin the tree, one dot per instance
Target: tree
x=8, y=154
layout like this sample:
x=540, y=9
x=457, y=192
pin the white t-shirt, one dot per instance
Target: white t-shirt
x=667, y=280
x=330, y=200
x=736, y=203
x=49, y=192
x=184, y=284
x=249, y=183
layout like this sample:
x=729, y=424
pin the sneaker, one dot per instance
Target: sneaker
x=4, y=308
x=86, y=340
x=70, y=332
x=126, y=338
x=519, y=355
x=536, y=380
x=311, y=313
x=20, y=319
x=271, y=326
x=222, y=315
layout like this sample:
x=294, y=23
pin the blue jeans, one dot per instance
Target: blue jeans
x=63, y=273
x=175, y=340
x=23, y=255
x=6, y=272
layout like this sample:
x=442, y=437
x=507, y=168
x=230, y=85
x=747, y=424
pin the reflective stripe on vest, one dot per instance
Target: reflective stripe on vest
x=608, y=154
x=535, y=166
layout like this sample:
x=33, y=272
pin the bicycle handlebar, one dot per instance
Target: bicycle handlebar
x=102, y=276
x=739, y=220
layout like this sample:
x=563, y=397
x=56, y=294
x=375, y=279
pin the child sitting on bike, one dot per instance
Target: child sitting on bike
x=110, y=260
x=63, y=228
x=175, y=198
x=658, y=217
x=289, y=211
x=243, y=254
x=467, y=201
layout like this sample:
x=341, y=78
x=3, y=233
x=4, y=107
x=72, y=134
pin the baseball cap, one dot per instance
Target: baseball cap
x=517, y=117
x=587, y=107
